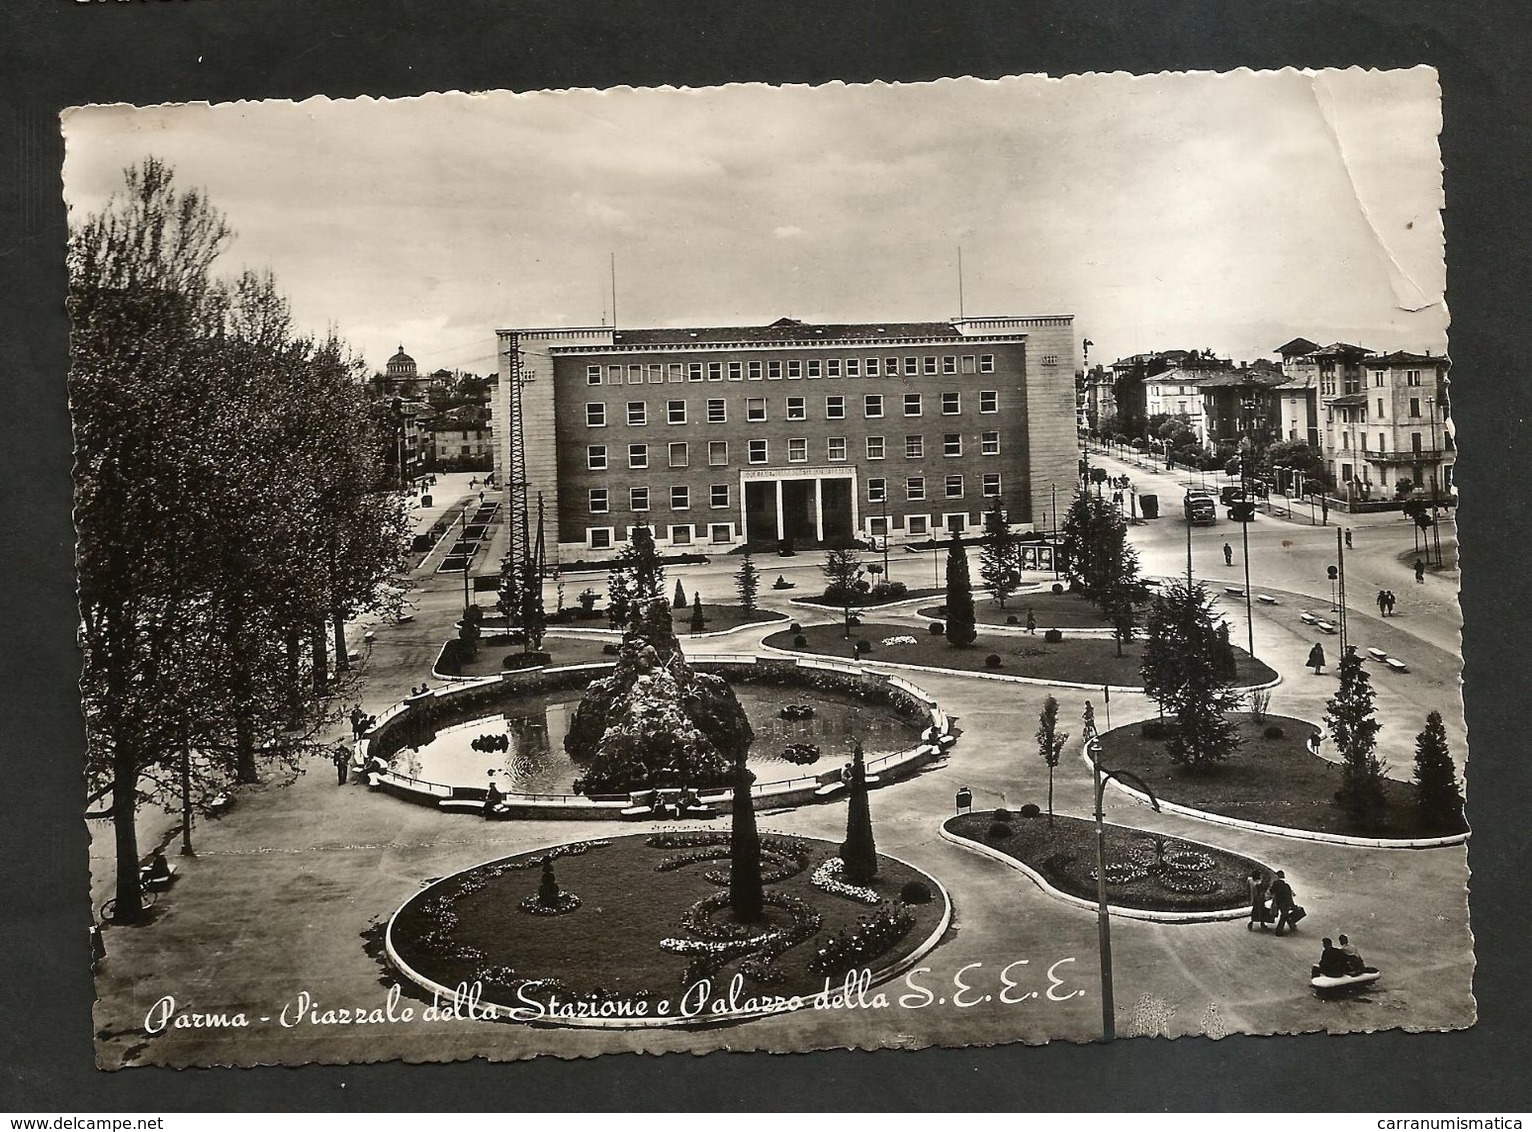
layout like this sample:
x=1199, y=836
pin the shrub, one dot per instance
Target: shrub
x=1030, y=810
x=1260, y=700
x=915, y=892
x=999, y=831
x=609, y=650
x=898, y=590
x=1002, y=814
x=1273, y=732
x=937, y=628
x=800, y=641
x=854, y=620
x=795, y=627
x=1053, y=636
x=1155, y=729
x=1011, y=620
x=1058, y=587
x=992, y=661
x=864, y=646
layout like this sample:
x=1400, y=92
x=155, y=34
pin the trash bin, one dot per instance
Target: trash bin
x=425, y=501
x=1150, y=506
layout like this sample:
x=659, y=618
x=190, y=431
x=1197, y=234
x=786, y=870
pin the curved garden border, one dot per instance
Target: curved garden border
x=1090, y=905
x=789, y=792
x=1291, y=832
x=443, y=994
x=1006, y=677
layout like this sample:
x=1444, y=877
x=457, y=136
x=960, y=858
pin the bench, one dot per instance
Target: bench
x=219, y=804
x=1234, y=591
x=640, y=805
x=1396, y=664
x=1325, y=627
x=1377, y=654
x=703, y=812
x=830, y=789
x=1266, y=599
x=462, y=805
x=1308, y=618
x=945, y=743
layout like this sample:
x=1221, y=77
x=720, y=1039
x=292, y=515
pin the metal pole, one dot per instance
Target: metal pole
x=186, y=806
x=1188, y=554
x=1249, y=614
x=467, y=561
x=1103, y=917
x=1340, y=562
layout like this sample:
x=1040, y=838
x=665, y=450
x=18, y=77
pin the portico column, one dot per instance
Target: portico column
x=781, y=528
x=819, y=510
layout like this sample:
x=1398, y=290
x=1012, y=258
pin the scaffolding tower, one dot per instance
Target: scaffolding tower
x=519, y=549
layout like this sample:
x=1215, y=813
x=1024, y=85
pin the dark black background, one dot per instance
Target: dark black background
x=54, y=53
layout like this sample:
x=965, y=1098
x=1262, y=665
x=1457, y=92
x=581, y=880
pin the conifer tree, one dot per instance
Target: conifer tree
x=698, y=621
x=858, y=851
x=1183, y=673
x=961, y=623
x=997, y=555
x=679, y=601
x=747, y=583
x=1350, y=715
x=746, y=890
x=1437, y=792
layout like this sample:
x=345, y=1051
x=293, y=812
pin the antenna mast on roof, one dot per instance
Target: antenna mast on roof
x=960, y=281
x=614, y=289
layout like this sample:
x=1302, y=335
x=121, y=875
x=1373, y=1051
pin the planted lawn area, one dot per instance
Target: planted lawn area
x=1144, y=870
x=1053, y=611
x=634, y=893
x=489, y=659
x=817, y=597
x=1274, y=781
x=721, y=618
x=1079, y=660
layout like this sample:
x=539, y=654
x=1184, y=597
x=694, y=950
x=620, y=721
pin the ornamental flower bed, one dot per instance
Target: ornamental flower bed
x=1143, y=870
x=652, y=922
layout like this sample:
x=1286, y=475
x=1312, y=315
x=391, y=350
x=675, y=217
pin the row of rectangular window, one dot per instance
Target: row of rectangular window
x=678, y=453
x=916, y=526
x=719, y=494
x=717, y=410
x=656, y=373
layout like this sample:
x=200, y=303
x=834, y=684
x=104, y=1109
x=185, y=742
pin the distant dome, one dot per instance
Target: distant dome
x=401, y=365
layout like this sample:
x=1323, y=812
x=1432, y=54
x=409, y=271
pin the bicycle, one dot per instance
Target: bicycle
x=147, y=895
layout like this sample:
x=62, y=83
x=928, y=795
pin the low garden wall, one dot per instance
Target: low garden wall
x=422, y=714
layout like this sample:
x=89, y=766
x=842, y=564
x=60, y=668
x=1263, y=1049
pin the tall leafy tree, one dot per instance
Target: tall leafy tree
x=962, y=627
x=221, y=502
x=843, y=571
x=997, y=555
x=1351, y=717
x=747, y=583
x=746, y=888
x=1050, y=743
x=1182, y=672
x=636, y=578
x=1438, y=796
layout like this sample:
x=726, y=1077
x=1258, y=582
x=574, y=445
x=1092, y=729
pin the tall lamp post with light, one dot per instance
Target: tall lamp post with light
x=1103, y=915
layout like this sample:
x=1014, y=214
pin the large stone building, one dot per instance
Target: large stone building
x=1377, y=418
x=814, y=433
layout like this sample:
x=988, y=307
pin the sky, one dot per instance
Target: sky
x=1225, y=211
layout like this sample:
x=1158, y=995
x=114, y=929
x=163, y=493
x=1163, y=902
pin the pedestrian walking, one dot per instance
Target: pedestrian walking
x=1348, y=538
x=1316, y=659
x=1382, y=603
x=357, y=716
x=1420, y=572
x=1258, y=914
x=1388, y=600
x=1228, y=555
x=342, y=758
x=1282, y=903
x=1031, y=622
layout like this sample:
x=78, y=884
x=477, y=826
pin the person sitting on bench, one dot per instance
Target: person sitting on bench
x=1351, y=957
x=1332, y=961
x=494, y=801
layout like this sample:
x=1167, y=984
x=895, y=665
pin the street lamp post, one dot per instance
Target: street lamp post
x=467, y=562
x=1103, y=914
x=1436, y=463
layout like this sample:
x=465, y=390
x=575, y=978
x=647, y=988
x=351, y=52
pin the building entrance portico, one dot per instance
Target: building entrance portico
x=806, y=505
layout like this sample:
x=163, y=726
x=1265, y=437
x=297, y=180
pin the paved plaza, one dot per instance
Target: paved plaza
x=288, y=892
